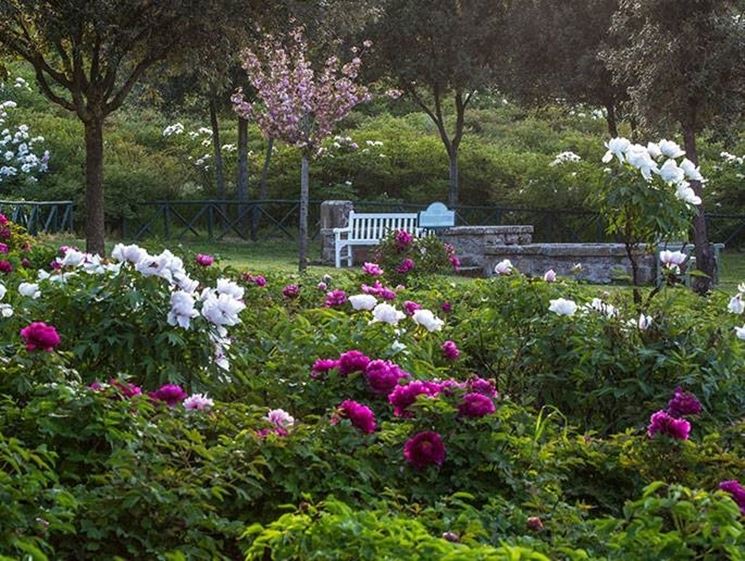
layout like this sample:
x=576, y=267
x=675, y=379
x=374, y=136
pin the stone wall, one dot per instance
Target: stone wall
x=334, y=214
x=472, y=242
x=600, y=262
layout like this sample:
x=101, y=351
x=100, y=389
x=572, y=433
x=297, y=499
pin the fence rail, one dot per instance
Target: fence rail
x=278, y=218
x=40, y=217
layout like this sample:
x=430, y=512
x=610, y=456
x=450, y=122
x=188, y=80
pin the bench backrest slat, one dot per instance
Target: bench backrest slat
x=373, y=226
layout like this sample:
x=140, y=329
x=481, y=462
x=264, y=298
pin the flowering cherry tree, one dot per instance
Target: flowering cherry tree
x=297, y=104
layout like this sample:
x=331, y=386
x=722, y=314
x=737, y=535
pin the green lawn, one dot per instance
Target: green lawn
x=281, y=256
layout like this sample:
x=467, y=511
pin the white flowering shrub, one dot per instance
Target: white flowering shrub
x=23, y=158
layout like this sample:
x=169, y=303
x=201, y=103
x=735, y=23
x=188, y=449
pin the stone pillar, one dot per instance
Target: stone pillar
x=334, y=214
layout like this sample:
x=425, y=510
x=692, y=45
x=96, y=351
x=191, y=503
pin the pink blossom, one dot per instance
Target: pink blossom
x=486, y=387
x=204, y=260
x=663, y=423
x=198, y=402
x=403, y=396
x=406, y=266
x=3, y=220
x=383, y=376
x=126, y=389
x=170, y=394
x=38, y=336
x=425, y=449
x=4, y=248
x=402, y=239
x=6, y=266
x=411, y=307
x=352, y=361
x=450, y=350
x=476, y=405
x=335, y=298
x=291, y=291
x=446, y=307
x=361, y=416
x=372, y=269
x=322, y=366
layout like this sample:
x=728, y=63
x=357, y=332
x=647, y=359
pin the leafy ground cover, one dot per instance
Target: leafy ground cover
x=162, y=405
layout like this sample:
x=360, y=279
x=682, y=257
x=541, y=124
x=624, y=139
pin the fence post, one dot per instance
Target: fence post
x=166, y=225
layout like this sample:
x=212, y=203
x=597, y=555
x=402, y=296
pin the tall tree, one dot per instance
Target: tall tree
x=89, y=55
x=299, y=105
x=439, y=52
x=685, y=68
x=555, y=53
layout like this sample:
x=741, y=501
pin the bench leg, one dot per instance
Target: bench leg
x=349, y=256
x=337, y=254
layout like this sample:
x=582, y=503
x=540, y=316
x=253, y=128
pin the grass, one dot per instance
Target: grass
x=280, y=256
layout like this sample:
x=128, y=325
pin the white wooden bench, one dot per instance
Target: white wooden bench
x=365, y=229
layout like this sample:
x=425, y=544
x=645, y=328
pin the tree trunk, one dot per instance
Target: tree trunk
x=704, y=254
x=94, y=201
x=263, y=188
x=217, y=147
x=304, y=196
x=454, y=185
x=241, y=183
x=610, y=118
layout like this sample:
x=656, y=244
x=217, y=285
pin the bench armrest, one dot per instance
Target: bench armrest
x=338, y=231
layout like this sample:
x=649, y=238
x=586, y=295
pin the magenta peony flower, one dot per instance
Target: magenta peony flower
x=352, y=361
x=683, y=403
x=411, y=307
x=663, y=423
x=55, y=265
x=259, y=280
x=403, y=239
x=424, y=449
x=405, y=266
x=335, y=298
x=6, y=266
x=383, y=376
x=360, y=415
x=482, y=386
x=387, y=294
x=3, y=219
x=372, y=269
x=403, y=396
x=450, y=350
x=198, y=402
x=4, y=233
x=4, y=248
x=476, y=405
x=446, y=307
x=322, y=366
x=736, y=491
x=322, y=286
x=96, y=386
x=204, y=260
x=25, y=263
x=126, y=389
x=291, y=291
x=38, y=336
x=454, y=261
x=171, y=394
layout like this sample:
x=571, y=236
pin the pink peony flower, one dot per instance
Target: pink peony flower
x=454, y=261
x=383, y=376
x=450, y=350
x=258, y=280
x=663, y=423
x=683, y=403
x=335, y=298
x=280, y=418
x=736, y=491
x=291, y=291
x=406, y=266
x=403, y=396
x=372, y=269
x=96, y=386
x=4, y=248
x=3, y=219
x=6, y=266
x=322, y=286
x=360, y=415
x=476, y=405
x=38, y=336
x=425, y=449
x=126, y=389
x=322, y=366
x=387, y=294
x=483, y=386
x=411, y=307
x=403, y=239
x=55, y=265
x=198, y=402
x=204, y=260
x=352, y=361
x=170, y=394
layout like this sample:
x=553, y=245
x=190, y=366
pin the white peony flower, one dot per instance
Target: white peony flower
x=182, y=309
x=428, y=320
x=670, y=149
x=29, y=289
x=3, y=291
x=597, y=305
x=692, y=173
x=616, y=147
x=644, y=322
x=672, y=258
x=653, y=149
x=687, y=194
x=6, y=310
x=740, y=332
x=132, y=253
x=504, y=267
x=386, y=313
x=221, y=309
x=549, y=276
x=671, y=173
x=736, y=305
x=227, y=286
x=72, y=258
x=363, y=301
x=638, y=156
x=563, y=307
